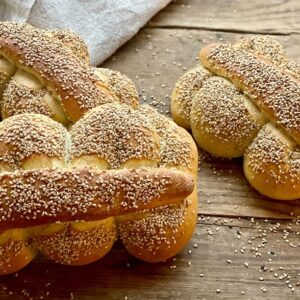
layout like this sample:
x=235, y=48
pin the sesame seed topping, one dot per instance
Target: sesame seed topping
x=251, y=85
x=116, y=133
x=35, y=197
x=20, y=99
x=68, y=246
x=219, y=110
x=270, y=149
x=275, y=92
x=22, y=136
x=48, y=58
x=186, y=88
x=119, y=85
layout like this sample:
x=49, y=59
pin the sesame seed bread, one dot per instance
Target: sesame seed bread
x=119, y=171
x=47, y=72
x=160, y=233
x=247, y=104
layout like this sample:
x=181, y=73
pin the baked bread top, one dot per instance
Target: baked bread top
x=244, y=100
x=47, y=72
x=100, y=169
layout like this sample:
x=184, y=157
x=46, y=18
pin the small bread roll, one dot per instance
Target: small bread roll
x=248, y=105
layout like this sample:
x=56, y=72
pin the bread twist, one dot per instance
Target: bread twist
x=63, y=193
x=48, y=72
x=245, y=101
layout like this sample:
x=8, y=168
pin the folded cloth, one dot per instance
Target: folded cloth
x=105, y=25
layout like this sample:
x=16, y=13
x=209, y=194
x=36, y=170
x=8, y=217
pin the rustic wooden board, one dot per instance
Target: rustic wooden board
x=197, y=273
x=154, y=60
x=276, y=16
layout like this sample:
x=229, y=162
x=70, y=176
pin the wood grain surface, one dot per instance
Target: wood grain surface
x=226, y=259
x=270, y=17
x=245, y=246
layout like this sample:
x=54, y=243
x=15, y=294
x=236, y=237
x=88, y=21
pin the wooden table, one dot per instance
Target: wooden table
x=245, y=246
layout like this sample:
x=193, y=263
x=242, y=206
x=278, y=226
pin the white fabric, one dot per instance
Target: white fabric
x=104, y=24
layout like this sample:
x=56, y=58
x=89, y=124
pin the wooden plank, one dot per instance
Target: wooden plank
x=212, y=261
x=269, y=16
x=155, y=59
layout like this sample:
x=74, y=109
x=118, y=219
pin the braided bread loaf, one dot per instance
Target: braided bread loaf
x=245, y=101
x=48, y=72
x=65, y=193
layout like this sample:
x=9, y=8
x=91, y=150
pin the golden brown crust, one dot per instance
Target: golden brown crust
x=24, y=136
x=16, y=249
x=151, y=139
x=119, y=85
x=20, y=99
x=185, y=90
x=36, y=197
x=24, y=93
x=73, y=41
x=47, y=72
x=222, y=115
x=264, y=46
x=272, y=164
x=273, y=90
x=117, y=134
x=7, y=69
x=252, y=83
x=77, y=243
x=67, y=77
x=159, y=234
x=41, y=194
x=177, y=150
x=15, y=255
